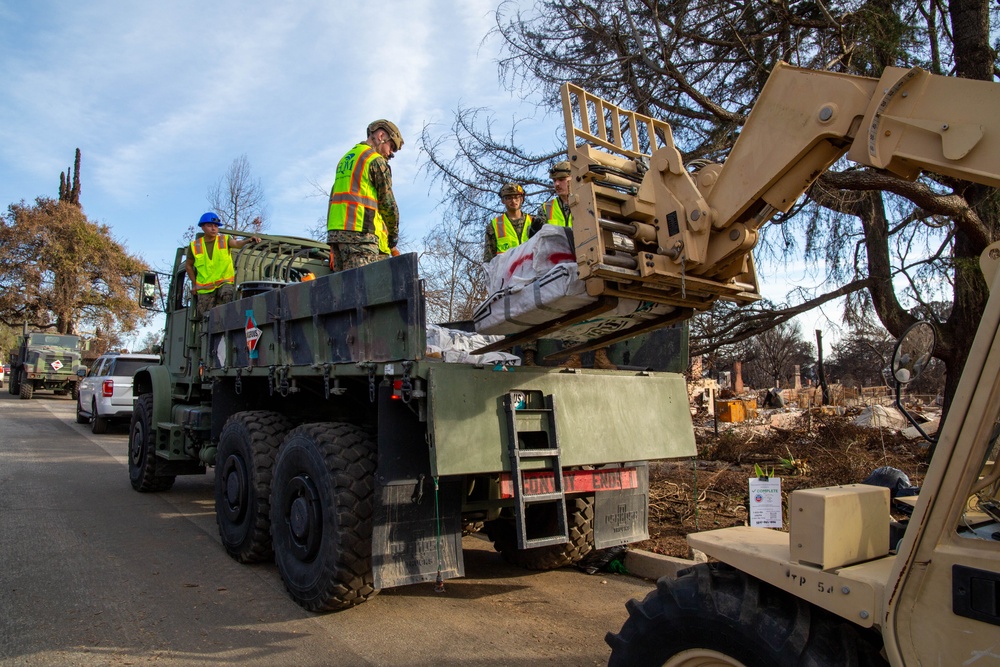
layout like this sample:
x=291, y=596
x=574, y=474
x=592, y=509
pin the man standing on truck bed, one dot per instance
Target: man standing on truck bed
x=363, y=220
x=510, y=228
x=556, y=210
x=209, y=265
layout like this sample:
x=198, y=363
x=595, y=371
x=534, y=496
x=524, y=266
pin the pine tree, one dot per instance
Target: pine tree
x=69, y=190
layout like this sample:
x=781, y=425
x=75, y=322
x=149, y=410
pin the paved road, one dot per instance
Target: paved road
x=93, y=573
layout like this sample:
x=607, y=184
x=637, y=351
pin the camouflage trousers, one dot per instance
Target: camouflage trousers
x=221, y=294
x=349, y=250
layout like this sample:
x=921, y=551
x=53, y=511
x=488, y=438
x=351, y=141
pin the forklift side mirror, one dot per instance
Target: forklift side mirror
x=913, y=352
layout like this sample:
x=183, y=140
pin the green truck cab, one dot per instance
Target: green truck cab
x=43, y=361
x=345, y=453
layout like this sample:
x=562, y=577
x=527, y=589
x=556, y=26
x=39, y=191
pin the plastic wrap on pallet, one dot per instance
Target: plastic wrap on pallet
x=455, y=347
x=525, y=305
x=532, y=259
x=558, y=293
x=537, y=282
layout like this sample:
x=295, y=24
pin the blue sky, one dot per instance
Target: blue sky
x=161, y=97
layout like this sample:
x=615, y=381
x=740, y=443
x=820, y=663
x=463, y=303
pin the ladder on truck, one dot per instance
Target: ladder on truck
x=532, y=438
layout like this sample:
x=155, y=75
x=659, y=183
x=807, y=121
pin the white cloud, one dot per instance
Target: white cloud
x=160, y=97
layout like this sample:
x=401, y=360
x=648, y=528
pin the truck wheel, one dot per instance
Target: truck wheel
x=321, y=515
x=142, y=450
x=14, y=386
x=98, y=424
x=580, y=519
x=80, y=417
x=244, y=464
x=26, y=388
x=715, y=615
x=74, y=391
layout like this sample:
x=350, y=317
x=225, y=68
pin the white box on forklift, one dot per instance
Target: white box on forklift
x=838, y=525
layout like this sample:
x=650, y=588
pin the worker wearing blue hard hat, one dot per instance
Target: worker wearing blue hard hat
x=209, y=264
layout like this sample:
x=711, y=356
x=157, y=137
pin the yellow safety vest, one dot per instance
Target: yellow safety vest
x=210, y=273
x=506, y=236
x=354, y=200
x=554, y=213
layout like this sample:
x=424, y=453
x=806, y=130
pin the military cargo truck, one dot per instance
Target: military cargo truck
x=342, y=450
x=43, y=360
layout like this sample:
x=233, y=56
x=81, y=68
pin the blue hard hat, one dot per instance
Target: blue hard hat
x=209, y=218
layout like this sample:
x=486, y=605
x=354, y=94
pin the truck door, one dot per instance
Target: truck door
x=180, y=338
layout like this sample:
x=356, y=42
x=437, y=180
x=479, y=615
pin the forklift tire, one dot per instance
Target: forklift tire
x=26, y=388
x=712, y=614
x=580, y=520
x=142, y=450
x=322, y=500
x=244, y=464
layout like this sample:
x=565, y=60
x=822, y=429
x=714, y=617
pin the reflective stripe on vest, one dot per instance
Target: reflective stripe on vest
x=353, y=198
x=506, y=236
x=555, y=215
x=211, y=273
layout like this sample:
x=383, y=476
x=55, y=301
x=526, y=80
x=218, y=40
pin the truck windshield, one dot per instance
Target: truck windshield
x=55, y=340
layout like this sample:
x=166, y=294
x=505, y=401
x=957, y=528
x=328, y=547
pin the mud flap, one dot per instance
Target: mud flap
x=409, y=543
x=621, y=517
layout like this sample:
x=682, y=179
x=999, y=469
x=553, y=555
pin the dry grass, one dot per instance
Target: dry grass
x=711, y=491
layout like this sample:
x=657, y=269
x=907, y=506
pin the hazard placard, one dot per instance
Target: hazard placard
x=253, y=334
x=56, y=364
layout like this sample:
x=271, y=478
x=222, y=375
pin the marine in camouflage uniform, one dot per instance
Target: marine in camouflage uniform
x=363, y=218
x=556, y=211
x=512, y=225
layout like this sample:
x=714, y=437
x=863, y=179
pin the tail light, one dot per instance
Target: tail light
x=397, y=390
x=108, y=388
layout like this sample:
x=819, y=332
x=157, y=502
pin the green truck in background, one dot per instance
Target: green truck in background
x=348, y=455
x=42, y=361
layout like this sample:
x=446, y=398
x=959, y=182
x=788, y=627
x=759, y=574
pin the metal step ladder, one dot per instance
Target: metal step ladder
x=532, y=437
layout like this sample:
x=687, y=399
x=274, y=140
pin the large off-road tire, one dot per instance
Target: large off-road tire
x=81, y=418
x=580, y=521
x=98, y=424
x=142, y=450
x=14, y=386
x=244, y=464
x=26, y=389
x=713, y=615
x=74, y=391
x=322, y=499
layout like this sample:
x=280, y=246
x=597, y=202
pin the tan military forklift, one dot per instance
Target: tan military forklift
x=834, y=589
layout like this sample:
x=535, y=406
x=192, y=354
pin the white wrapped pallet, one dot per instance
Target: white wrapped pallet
x=537, y=282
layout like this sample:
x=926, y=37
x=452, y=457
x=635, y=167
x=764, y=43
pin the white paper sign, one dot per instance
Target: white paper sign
x=765, y=502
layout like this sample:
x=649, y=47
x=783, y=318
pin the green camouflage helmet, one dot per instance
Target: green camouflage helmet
x=559, y=170
x=511, y=189
x=382, y=124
